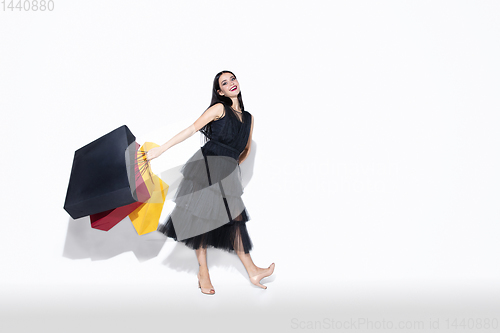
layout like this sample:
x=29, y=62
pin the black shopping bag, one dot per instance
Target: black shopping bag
x=99, y=178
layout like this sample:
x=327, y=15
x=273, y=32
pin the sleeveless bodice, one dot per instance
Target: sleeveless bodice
x=229, y=135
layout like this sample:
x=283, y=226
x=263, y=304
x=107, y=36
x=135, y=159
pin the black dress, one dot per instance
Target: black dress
x=209, y=211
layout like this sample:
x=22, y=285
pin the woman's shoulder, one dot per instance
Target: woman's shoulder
x=222, y=110
x=219, y=105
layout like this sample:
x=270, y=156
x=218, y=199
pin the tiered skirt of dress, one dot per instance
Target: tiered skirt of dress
x=209, y=211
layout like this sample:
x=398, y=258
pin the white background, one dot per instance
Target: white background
x=373, y=181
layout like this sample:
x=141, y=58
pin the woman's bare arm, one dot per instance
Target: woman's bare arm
x=209, y=115
x=246, y=151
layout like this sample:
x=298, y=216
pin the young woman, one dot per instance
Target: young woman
x=209, y=210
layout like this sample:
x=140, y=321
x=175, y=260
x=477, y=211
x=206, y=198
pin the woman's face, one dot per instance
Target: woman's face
x=229, y=86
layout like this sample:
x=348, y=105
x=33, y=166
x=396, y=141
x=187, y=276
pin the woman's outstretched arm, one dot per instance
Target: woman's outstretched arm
x=210, y=114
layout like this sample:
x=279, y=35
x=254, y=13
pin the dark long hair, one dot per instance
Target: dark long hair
x=216, y=98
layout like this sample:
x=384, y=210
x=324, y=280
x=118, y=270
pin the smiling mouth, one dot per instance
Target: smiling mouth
x=233, y=89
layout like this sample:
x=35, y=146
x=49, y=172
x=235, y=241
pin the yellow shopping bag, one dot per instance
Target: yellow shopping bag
x=147, y=216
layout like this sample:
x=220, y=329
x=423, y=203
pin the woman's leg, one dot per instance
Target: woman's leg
x=255, y=273
x=203, y=275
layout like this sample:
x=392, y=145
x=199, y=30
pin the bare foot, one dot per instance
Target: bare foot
x=204, y=282
x=261, y=273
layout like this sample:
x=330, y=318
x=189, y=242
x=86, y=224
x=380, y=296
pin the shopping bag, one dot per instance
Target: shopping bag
x=99, y=179
x=146, y=217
